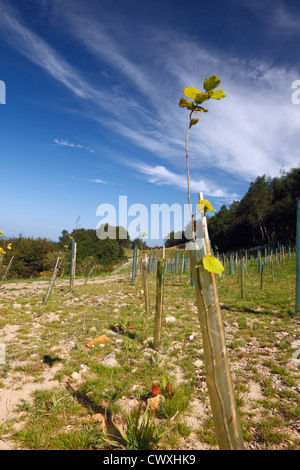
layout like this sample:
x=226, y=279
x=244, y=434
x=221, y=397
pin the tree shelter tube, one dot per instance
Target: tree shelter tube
x=218, y=377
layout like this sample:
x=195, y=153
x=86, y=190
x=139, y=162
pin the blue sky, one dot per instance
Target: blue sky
x=92, y=92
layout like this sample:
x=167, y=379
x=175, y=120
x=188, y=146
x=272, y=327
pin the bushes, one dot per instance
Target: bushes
x=104, y=252
x=33, y=256
x=29, y=256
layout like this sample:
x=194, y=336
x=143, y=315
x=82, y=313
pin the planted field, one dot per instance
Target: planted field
x=59, y=389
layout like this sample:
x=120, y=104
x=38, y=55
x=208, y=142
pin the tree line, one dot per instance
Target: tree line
x=34, y=257
x=266, y=214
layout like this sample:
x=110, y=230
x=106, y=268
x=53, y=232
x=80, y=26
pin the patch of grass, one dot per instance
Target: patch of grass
x=50, y=417
x=86, y=437
x=259, y=328
x=271, y=430
x=207, y=433
x=142, y=431
x=176, y=403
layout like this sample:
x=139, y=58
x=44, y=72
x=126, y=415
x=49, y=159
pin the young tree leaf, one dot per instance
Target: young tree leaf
x=212, y=264
x=183, y=103
x=199, y=109
x=204, y=205
x=211, y=82
x=200, y=97
x=191, y=92
x=218, y=95
x=193, y=122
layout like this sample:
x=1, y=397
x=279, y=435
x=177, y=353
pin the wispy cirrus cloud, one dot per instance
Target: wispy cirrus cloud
x=98, y=181
x=253, y=131
x=67, y=143
x=160, y=175
x=38, y=51
x=277, y=15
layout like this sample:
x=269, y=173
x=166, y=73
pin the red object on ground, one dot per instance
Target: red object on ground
x=155, y=390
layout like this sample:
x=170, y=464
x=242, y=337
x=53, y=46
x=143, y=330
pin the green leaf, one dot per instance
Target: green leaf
x=201, y=97
x=212, y=264
x=191, y=92
x=204, y=205
x=183, y=103
x=164, y=381
x=199, y=109
x=218, y=95
x=193, y=122
x=211, y=82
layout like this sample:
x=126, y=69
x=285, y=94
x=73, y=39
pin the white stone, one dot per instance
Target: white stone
x=198, y=363
x=170, y=319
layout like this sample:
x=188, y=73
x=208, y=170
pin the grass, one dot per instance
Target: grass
x=46, y=346
x=142, y=432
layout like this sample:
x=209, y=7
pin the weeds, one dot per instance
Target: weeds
x=51, y=342
x=142, y=433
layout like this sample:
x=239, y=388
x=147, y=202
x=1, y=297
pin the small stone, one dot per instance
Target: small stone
x=136, y=388
x=100, y=420
x=75, y=376
x=153, y=403
x=198, y=363
x=170, y=319
x=110, y=360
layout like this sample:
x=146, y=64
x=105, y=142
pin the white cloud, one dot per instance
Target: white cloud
x=38, y=51
x=253, y=131
x=279, y=16
x=43, y=55
x=67, y=143
x=99, y=181
x=160, y=175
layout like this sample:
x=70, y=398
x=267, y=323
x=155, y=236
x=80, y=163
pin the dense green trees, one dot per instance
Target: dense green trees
x=175, y=239
x=266, y=214
x=105, y=252
x=33, y=257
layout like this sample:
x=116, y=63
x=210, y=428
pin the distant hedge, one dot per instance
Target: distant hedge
x=37, y=256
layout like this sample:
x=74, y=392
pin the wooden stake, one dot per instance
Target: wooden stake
x=51, y=282
x=272, y=266
x=6, y=271
x=145, y=283
x=159, y=304
x=85, y=282
x=134, y=262
x=242, y=277
x=72, y=266
x=181, y=264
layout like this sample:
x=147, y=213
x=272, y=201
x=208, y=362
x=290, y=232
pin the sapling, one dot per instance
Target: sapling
x=205, y=266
